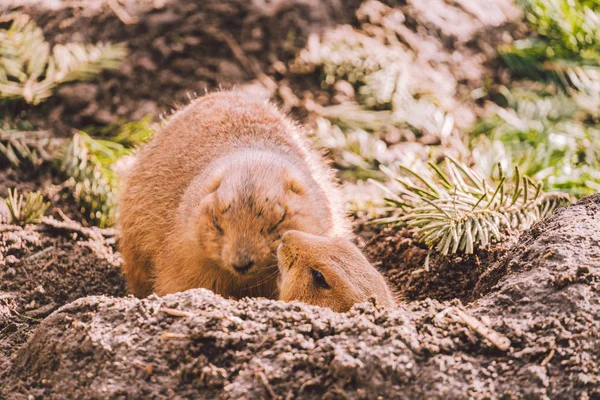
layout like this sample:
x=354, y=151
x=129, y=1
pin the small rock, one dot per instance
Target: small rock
x=192, y=40
x=167, y=17
x=231, y=71
x=145, y=108
x=11, y=260
x=105, y=117
x=146, y=63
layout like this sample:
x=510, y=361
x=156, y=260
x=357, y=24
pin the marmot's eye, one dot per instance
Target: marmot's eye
x=216, y=224
x=319, y=279
x=274, y=227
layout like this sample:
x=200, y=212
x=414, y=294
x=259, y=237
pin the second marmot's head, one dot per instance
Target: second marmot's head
x=248, y=202
x=328, y=272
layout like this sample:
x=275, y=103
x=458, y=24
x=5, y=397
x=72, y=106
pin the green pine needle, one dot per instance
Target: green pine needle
x=88, y=163
x=28, y=210
x=566, y=49
x=451, y=216
x=84, y=161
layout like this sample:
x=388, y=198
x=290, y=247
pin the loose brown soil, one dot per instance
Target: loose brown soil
x=404, y=262
x=45, y=267
x=535, y=335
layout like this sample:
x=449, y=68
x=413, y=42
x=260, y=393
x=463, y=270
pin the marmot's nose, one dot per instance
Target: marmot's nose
x=243, y=266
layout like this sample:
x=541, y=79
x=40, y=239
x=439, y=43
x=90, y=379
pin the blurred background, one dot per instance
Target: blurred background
x=388, y=89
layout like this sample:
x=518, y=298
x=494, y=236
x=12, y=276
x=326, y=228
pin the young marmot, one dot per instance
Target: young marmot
x=328, y=272
x=209, y=198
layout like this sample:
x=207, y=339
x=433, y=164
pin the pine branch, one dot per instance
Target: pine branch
x=459, y=210
x=29, y=69
x=88, y=164
x=25, y=211
x=27, y=149
x=131, y=134
x=84, y=161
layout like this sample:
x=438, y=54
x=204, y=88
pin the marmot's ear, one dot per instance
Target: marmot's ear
x=293, y=184
x=214, y=182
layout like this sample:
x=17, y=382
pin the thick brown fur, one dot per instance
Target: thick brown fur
x=347, y=276
x=208, y=199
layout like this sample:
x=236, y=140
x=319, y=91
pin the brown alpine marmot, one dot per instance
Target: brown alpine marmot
x=209, y=198
x=328, y=272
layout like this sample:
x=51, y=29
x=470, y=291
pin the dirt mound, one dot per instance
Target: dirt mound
x=536, y=334
x=405, y=264
x=46, y=266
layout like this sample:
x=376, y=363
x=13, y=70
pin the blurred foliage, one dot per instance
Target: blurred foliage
x=356, y=152
x=379, y=78
x=458, y=210
x=27, y=150
x=28, y=210
x=566, y=45
x=378, y=101
x=550, y=131
x=550, y=137
x=88, y=162
x=30, y=69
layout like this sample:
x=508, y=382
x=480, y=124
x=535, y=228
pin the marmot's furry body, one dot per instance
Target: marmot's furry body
x=210, y=196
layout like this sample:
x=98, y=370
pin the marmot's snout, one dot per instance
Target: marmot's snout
x=288, y=248
x=246, y=259
x=242, y=261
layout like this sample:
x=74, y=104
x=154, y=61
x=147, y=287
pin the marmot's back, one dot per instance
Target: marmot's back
x=185, y=153
x=208, y=128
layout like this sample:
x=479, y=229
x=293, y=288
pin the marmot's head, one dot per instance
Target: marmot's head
x=249, y=202
x=328, y=272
